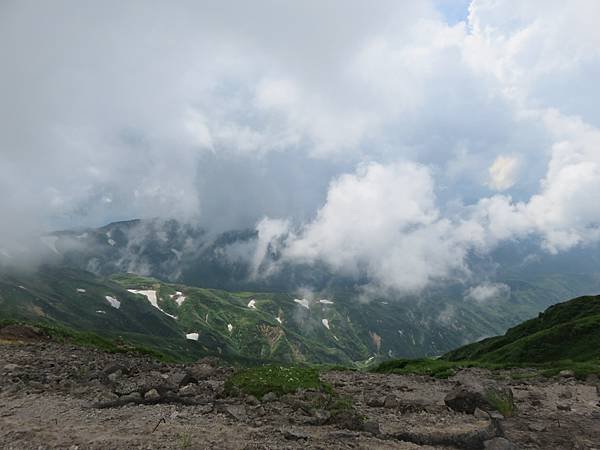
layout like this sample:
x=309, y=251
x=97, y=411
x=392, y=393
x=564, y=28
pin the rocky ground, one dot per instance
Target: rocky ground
x=59, y=396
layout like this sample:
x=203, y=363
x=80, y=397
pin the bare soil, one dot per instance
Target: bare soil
x=59, y=396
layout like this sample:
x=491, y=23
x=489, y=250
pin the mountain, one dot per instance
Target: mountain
x=217, y=273
x=566, y=331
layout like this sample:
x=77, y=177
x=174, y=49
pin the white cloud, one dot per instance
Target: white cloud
x=503, y=172
x=488, y=291
x=382, y=221
x=185, y=110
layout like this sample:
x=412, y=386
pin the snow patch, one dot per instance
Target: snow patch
x=325, y=323
x=113, y=301
x=151, y=296
x=252, y=304
x=22, y=287
x=230, y=327
x=101, y=312
x=326, y=302
x=192, y=336
x=278, y=319
x=303, y=302
x=82, y=236
x=178, y=297
x=81, y=291
x=111, y=242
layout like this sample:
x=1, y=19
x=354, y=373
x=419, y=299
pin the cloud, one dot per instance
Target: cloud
x=488, y=291
x=503, y=173
x=383, y=222
x=371, y=142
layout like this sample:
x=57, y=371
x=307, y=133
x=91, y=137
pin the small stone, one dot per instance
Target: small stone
x=481, y=414
x=252, y=400
x=390, y=402
x=152, y=395
x=376, y=402
x=319, y=417
x=202, y=371
x=269, y=397
x=179, y=378
x=114, y=376
x=566, y=394
x=563, y=407
x=11, y=367
x=372, y=427
x=237, y=412
x=499, y=443
x=189, y=390
x=133, y=397
x=495, y=415
x=537, y=427
x=205, y=409
x=293, y=434
x=566, y=374
x=258, y=410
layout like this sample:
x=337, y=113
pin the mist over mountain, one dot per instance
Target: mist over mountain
x=440, y=156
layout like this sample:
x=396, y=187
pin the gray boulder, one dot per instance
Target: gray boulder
x=467, y=398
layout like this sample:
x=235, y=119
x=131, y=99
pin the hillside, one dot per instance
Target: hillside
x=328, y=326
x=566, y=331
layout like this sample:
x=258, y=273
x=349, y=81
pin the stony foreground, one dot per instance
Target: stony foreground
x=58, y=396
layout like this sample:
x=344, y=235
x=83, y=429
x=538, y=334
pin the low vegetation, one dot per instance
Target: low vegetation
x=564, y=337
x=280, y=380
x=86, y=339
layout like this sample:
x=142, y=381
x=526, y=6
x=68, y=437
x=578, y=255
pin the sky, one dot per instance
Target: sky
x=391, y=138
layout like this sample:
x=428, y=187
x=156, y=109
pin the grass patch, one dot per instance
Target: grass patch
x=280, y=380
x=63, y=334
x=503, y=404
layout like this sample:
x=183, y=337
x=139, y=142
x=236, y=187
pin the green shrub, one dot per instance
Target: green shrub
x=280, y=380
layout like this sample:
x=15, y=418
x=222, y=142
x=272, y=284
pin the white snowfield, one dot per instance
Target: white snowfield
x=230, y=327
x=278, y=319
x=303, y=302
x=151, y=296
x=252, y=304
x=113, y=301
x=81, y=291
x=326, y=323
x=192, y=336
x=326, y=302
x=178, y=297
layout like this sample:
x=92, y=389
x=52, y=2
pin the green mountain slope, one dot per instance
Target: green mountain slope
x=331, y=326
x=569, y=330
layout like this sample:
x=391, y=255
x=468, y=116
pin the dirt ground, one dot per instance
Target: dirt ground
x=58, y=396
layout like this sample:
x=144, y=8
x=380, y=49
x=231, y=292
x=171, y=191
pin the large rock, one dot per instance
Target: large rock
x=152, y=395
x=467, y=398
x=202, y=371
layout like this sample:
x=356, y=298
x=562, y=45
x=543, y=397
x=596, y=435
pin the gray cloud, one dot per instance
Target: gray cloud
x=228, y=112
